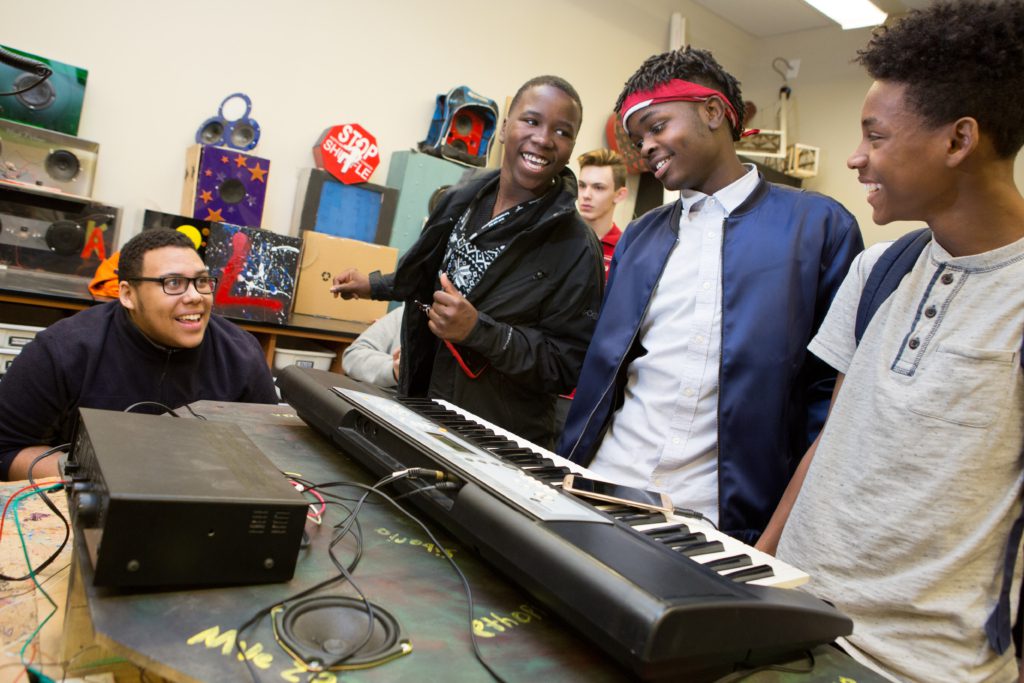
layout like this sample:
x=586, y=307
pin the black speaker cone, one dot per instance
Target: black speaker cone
x=211, y=132
x=463, y=124
x=324, y=629
x=232, y=191
x=242, y=135
x=65, y=238
x=39, y=97
x=62, y=165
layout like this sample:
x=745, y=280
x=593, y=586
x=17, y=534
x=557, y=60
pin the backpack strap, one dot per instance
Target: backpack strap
x=886, y=275
x=997, y=626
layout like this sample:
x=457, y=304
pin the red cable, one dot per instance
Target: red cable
x=462, y=363
x=3, y=517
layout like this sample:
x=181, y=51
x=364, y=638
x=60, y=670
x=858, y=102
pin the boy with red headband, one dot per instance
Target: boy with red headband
x=698, y=382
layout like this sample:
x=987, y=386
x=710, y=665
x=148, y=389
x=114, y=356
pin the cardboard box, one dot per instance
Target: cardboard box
x=323, y=257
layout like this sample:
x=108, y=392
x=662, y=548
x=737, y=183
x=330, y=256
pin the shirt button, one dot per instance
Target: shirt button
x=706, y=285
x=947, y=278
x=675, y=439
x=930, y=312
x=688, y=392
x=699, y=339
x=914, y=343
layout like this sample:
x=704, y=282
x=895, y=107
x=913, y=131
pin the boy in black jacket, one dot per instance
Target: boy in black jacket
x=503, y=286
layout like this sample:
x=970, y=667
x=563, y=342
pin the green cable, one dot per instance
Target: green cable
x=28, y=563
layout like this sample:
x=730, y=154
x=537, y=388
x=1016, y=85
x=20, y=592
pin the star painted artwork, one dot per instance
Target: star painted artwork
x=257, y=272
x=225, y=185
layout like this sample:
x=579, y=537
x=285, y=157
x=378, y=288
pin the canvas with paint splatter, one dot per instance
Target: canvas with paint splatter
x=257, y=272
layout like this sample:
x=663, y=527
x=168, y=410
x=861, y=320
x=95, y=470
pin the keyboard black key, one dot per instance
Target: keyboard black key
x=546, y=471
x=667, y=530
x=731, y=562
x=760, y=571
x=692, y=550
x=680, y=538
x=634, y=518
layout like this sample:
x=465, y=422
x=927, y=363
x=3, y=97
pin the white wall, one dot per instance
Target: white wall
x=825, y=111
x=158, y=69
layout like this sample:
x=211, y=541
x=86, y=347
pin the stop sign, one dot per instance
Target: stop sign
x=347, y=152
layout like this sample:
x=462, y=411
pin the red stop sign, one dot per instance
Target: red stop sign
x=347, y=152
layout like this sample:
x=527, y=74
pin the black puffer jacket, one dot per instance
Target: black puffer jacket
x=538, y=303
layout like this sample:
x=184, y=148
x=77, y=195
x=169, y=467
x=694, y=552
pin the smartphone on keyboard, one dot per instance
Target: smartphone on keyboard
x=608, y=492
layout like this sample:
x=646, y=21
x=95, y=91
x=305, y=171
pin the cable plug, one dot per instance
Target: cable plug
x=424, y=473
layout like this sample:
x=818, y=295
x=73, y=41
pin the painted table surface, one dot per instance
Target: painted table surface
x=22, y=605
x=187, y=635
x=401, y=571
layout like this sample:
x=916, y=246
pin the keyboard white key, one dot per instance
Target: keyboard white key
x=784, y=575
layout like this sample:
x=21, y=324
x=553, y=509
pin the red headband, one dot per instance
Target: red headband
x=676, y=90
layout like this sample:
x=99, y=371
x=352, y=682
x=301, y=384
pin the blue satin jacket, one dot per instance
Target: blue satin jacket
x=785, y=253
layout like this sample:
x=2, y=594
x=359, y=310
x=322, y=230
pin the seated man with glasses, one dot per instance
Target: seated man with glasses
x=157, y=347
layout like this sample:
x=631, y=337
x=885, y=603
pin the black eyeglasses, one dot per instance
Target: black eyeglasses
x=178, y=284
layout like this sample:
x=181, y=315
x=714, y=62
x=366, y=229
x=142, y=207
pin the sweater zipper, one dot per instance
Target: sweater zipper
x=618, y=367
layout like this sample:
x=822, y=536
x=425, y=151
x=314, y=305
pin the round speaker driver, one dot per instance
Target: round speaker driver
x=211, y=132
x=319, y=630
x=39, y=97
x=62, y=165
x=244, y=134
x=232, y=191
x=65, y=237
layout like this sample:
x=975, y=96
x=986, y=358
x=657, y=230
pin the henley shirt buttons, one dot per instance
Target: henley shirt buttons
x=947, y=279
x=914, y=343
x=929, y=312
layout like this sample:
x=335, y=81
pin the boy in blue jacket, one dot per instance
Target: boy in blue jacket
x=698, y=382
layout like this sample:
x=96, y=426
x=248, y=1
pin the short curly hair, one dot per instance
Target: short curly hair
x=553, y=81
x=957, y=59
x=688, y=64
x=129, y=263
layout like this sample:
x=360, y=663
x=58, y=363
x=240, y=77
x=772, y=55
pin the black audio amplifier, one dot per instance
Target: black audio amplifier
x=164, y=501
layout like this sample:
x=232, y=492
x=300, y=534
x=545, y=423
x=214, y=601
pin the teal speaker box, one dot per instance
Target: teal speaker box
x=417, y=177
x=55, y=104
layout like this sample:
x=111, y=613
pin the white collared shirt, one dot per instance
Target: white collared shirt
x=665, y=436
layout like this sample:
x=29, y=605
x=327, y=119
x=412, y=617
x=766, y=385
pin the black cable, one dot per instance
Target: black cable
x=262, y=612
x=43, y=71
x=49, y=503
x=687, y=512
x=447, y=556
x=194, y=413
x=151, y=403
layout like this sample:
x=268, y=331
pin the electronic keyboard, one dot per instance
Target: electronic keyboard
x=668, y=596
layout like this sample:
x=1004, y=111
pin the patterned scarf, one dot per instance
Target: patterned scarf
x=473, y=247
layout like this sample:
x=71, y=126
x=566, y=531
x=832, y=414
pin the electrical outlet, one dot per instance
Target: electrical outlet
x=794, y=68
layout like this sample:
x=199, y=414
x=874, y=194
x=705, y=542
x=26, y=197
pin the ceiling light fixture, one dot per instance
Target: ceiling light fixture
x=849, y=13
